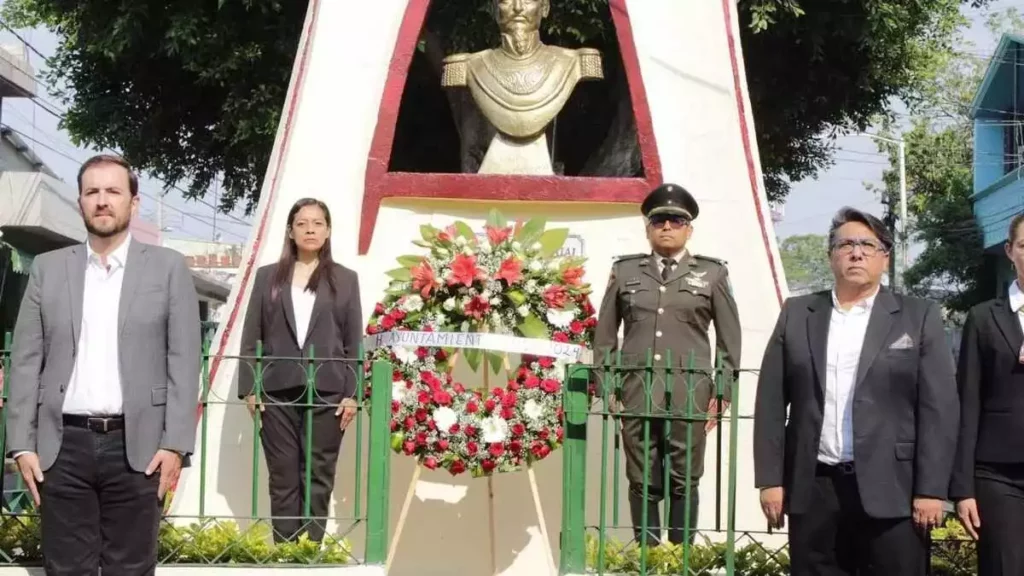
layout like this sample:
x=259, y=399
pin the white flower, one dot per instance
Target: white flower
x=399, y=390
x=495, y=301
x=465, y=326
x=449, y=304
x=486, y=294
x=517, y=246
x=413, y=303
x=445, y=418
x=555, y=264
x=443, y=252
x=561, y=318
x=523, y=310
x=494, y=429
x=405, y=355
x=533, y=410
x=536, y=266
x=536, y=246
x=460, y=241
x=531, y=285
x=485, y=248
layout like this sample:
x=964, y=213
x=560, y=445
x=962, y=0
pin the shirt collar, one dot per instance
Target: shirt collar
x=115, y=259
x=677, y=257
x=1016, y=297
x=864, y=305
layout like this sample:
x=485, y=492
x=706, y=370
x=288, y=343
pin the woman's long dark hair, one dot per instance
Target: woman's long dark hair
x=290, y=252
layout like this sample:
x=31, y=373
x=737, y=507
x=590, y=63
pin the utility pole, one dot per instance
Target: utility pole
x=903, y=233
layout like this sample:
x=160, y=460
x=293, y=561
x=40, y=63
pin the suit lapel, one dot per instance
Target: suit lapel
x=323, y=298
x=288, y=306
x=686, y=264
x=75, y=270
x=1008, y=324
x=650, y=267
x=134, y=272
x=817, y=334
x=882, y=316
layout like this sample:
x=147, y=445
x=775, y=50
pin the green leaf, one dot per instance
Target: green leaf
x=396, y=441
x=530, y=231
x=465, y=231
x=473, y=357
x=496, y=360
x=428, y=232
x=409, y=261
x=422, y=244
x=496, y=220
x=552, y=241
x=402, y=274
x=516, y=297
x=533, y=327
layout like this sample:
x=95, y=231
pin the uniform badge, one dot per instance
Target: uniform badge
x=644, y=262
x=697, y=283
x=696, y=274
x=634, y=281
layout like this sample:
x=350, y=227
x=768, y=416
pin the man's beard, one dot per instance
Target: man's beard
x=115, y=228
x=520, y=40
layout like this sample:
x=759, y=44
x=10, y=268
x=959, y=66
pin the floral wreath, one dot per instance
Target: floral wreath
x=511, y=281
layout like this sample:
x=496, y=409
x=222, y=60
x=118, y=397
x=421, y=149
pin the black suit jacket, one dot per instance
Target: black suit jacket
x=991, y=383
x=905, y=408
x=335, y=332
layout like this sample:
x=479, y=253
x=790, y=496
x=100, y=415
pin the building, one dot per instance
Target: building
x=998, y=114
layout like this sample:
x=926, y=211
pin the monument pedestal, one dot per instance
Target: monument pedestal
x=517, y=156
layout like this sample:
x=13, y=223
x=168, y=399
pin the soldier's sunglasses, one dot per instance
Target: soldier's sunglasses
x=675, y=222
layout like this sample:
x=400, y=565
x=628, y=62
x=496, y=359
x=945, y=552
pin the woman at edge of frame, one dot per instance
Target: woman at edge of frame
x=304, y=301
x=988, y=478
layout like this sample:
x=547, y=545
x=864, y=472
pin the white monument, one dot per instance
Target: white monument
x=687, y=82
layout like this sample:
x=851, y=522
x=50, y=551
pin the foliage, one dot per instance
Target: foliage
x=207, y=542
x=939, y=177
x=189, y=90
x=511, y=281
x=805, y=260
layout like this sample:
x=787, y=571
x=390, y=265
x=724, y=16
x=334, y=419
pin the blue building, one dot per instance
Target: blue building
x=998, y=114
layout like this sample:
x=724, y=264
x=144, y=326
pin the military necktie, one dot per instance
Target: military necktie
x=666, y=268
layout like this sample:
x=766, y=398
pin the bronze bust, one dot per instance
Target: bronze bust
x=522, y=85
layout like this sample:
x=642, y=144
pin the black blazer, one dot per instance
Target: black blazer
x=991, y=383
x=905, y=408
x=335, y=331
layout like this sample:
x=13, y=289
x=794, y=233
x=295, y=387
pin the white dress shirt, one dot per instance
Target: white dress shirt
x=95, y=386
x=846, y=332
x=302, y=301
x=1017, y=302
x=675, y=259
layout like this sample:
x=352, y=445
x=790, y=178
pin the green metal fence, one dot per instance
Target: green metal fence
x=247, y=537
x=599, y=537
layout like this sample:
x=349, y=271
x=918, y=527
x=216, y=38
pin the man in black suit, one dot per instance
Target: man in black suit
x=862, y=466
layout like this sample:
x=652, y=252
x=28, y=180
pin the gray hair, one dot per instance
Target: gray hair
x=846, y=215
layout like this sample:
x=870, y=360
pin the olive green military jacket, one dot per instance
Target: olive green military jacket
x=671, y=317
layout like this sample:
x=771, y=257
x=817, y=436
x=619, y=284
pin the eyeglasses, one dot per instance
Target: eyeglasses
x=675, y=222
x=868, y=248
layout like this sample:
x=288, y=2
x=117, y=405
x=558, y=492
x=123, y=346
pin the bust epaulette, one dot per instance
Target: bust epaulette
x=625, y=257
x=718, y=261
x=454, y=70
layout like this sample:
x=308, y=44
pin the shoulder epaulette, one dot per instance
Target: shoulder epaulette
x=718, y=261
x=630, y=257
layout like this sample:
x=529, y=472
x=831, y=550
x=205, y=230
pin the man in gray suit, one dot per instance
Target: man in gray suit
x=104, y=384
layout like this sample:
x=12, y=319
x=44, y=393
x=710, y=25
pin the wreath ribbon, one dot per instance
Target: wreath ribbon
x=480, y=341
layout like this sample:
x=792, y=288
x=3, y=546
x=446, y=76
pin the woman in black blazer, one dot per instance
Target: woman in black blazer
x=988, y=479
x=303, y=301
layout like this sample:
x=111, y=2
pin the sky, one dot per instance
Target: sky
x=808, y=208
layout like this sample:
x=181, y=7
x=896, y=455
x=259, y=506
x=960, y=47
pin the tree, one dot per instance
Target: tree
x=805, y=260
x=939, y=175
x=193, y=90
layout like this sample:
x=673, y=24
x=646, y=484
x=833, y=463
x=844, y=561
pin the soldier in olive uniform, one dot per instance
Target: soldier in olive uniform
x=666, y=300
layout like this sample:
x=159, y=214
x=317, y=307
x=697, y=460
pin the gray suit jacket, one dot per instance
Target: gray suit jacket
x=159, y=349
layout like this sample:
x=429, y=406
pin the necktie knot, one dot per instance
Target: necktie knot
x=666, y=267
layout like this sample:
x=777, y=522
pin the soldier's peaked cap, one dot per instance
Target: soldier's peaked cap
x=670, y=199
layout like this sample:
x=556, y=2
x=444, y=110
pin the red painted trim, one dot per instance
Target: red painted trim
x=380, y=184
x=741, y=109
x=261, y=229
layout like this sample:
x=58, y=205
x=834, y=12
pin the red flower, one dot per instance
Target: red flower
x=410, y=423
x=430, y=462
x=379, y=308
x=431, y=425
x=442, y=444
x=408, y=447
x=590, y=322
x=546, y=362
x=464, y=271
x=560, y=337
x=442, y=398
x=559, y=434
x=487, y=465
x=543, y=434
x=531, y=381
x=513, y=385
x=423, y=397
x=508, y=413
x=372, y=329
x=421, y=353
x=397, y=375
x=470, y=431
x=509, y=400
x=424, y=279
x=550, y=385
x=457, y=467
x=454, y=429
x=471, y=448
x=511, y=271
x=394, y=425
x=515, y=447
x=576, y=327
x=447, y=234
x=421, y=415
x=421, y=438
x=471, y=408
x=556, y=297
x=478, y=307
x=518, y=429
x=440, y=355
x=489, y=405
x=395, y=406
x=459, y=388
x=497, y=235
x=496, y=449
x=573, y=276
x=540, y=449
x=398, y=314
x=387, y=322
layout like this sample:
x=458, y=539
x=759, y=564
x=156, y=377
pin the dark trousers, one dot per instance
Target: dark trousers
x=667, y=446
x=284, y=444
x=96, y=511
x=1001, y=508
x=837, y=538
